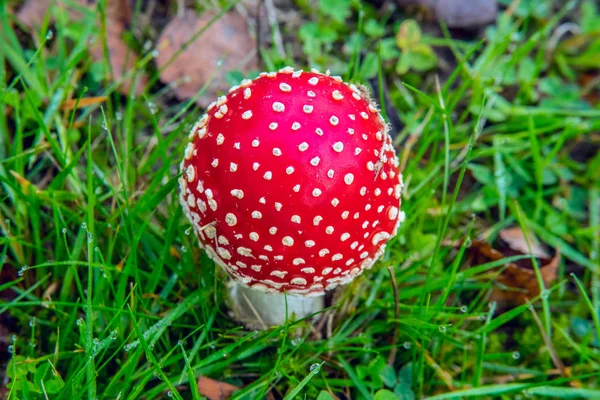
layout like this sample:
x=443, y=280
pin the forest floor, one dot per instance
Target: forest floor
x=104, y=292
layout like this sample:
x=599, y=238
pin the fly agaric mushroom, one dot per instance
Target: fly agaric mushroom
x=292, y=185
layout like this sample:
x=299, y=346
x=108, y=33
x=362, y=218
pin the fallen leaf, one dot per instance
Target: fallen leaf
x=26, y=185
x=122, y=58
x=84, y=102
x=33, y=12
x=525, y=281
x=118, y=14
x=224, y=46
x=517, y=282
x=464, y=14
x=515, y=239
x=215, y=390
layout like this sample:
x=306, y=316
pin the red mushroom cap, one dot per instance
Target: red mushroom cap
x=291, y=182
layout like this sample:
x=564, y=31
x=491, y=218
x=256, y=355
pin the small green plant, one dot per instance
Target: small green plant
x=414, y=54
x=388, y=383
x=32, y=378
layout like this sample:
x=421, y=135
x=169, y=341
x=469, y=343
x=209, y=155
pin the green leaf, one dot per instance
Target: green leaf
x=423, y=57
x=409, y=34
x=234, y=77
x=339, y=10
x=482, y=174
x=374, y=29
x=369, y=66
x=405, y=374
x=403, y=64
x=583, y=329
x=388, y=376
x=404, y=392
x=589, y=16
x=54, y=385
x=385, y=394
x=16, y=367
x=323, y=395
x=527, y=70
x=389, y=50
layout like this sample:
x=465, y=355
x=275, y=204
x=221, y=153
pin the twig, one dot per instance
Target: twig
x=394, y=350
x=272, y=18
x=553, y=354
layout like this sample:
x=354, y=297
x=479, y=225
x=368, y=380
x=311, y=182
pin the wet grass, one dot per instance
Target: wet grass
x=106, y=294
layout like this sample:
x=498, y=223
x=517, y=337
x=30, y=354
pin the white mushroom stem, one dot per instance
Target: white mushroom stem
x=256, y=309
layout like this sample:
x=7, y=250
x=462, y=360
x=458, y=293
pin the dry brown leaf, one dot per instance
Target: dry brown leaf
x=519, y=277
x=84, y=102
x=226, y=40
x=515, y=239
x=215, y=390
x=33, y=12
x=464, y=14
x=118, y=15
x=122, y=58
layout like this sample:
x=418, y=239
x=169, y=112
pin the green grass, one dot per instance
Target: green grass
x=108, y=296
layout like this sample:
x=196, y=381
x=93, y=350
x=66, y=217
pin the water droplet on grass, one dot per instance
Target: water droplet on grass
x=468, y=242
x=114, y=334
x=516, y=355
x=315, y=368
x=10, y=349
x=170, y=394
x=188, y=230
x=49, y=35
x=406, y=345
x=32, y=322
x=64, y=230
x=545, y=294
x=442, y=328
x=80, y=322
x=154, y=53
x=152, y=107
x=464, y=309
